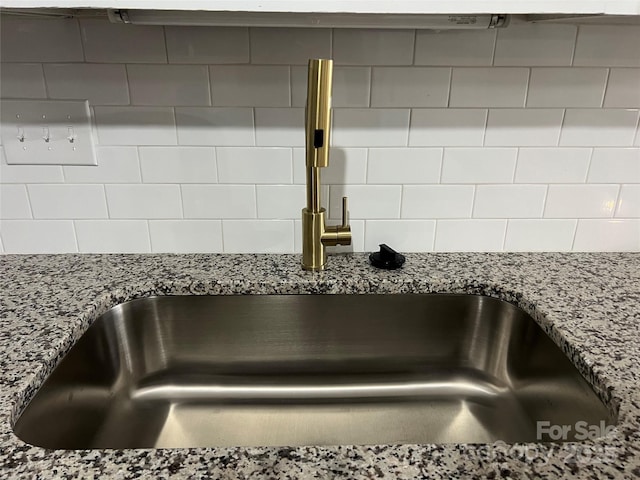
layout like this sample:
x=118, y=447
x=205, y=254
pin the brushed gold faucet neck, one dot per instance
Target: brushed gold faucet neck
x=316, y=235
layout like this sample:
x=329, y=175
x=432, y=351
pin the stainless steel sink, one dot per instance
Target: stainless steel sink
x=309, y=370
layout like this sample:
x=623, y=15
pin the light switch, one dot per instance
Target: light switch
x=47, y=132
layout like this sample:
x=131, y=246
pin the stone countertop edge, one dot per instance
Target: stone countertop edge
x=589, y=303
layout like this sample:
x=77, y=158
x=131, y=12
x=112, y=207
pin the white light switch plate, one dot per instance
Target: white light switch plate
x=47, y=132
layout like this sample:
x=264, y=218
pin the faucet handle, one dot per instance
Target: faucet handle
x=345, y=212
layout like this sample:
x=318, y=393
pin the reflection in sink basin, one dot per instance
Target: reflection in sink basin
x=309, y=370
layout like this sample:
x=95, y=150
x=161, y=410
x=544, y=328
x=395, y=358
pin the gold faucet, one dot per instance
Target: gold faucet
x=316, y=235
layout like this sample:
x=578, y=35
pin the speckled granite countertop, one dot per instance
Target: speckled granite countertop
x=588, y=303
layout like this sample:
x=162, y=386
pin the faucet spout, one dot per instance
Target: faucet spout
x=316, y=235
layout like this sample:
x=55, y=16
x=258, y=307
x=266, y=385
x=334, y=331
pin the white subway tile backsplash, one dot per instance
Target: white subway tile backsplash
x=580, y=201
x=599, y=127
x=401, y=235
x=186, y=236
x=14, y=202
x=135, y=125
x=552, y=165
x=455, y=47
x=351, y=86
x=566, y=87
x=623, y=88
x=608, y=46
x=404, y=165
x=215, y=126
x=215, y=134
x=470, y=235
x=179, y=85
x=629, y=202
x=144, y=201
x=289, y=46
x=279, y=127
x=523, y=127
x=362, y=127
x=437, y=201
x=112, y=236
x=29, y=173
x=488, y=87
x=100, y=84
x=607, y=235
x=346, y=166
x=250, y=236
x=21, y=39
x=449, y=127
x=115, y=165
x=373, y=47
x=254, y=165
x=540, y=235
x=208, y=45
x=67, y=201
x=366, y=201
x=178, y=164
x=409, y=87
x=478, y=165
x=22, y=80
x=280, y=201
x=219, y=201
x=615, y=165
x=106, y=42
x=509, y=201
x=535, y=45
x=250, y=86
x=38, y=236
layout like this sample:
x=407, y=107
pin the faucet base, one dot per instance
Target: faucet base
x=316, y=236
x=314, y=253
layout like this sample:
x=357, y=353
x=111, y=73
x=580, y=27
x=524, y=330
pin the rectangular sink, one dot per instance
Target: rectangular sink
x=287, y=370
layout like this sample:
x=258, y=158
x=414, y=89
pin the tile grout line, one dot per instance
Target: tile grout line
x=575, y=233
x=148, y=225
x=415, y=44
x=75, y=235
x=486, y=127
x=139, y=160
x=26, y=189
x=544, y=201
x=562, y=127
x=221, y=235
x=527, y=87
x=506, y=233
x=574, y=48
x=494, y=48
x=370, y=80
x=165, y=44
x=606, y=87
x=615, y=205
x=209, y=88
x=450, y=87
x=82, y=45
x=435, y=234
x=592, y=151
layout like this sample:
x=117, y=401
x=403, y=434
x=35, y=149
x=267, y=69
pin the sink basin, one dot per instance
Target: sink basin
x=260, y=370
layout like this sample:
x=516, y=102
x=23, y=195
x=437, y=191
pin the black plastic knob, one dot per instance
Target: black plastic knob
x=387, y=258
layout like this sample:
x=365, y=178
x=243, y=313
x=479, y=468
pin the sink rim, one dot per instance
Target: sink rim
x=612, y=407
